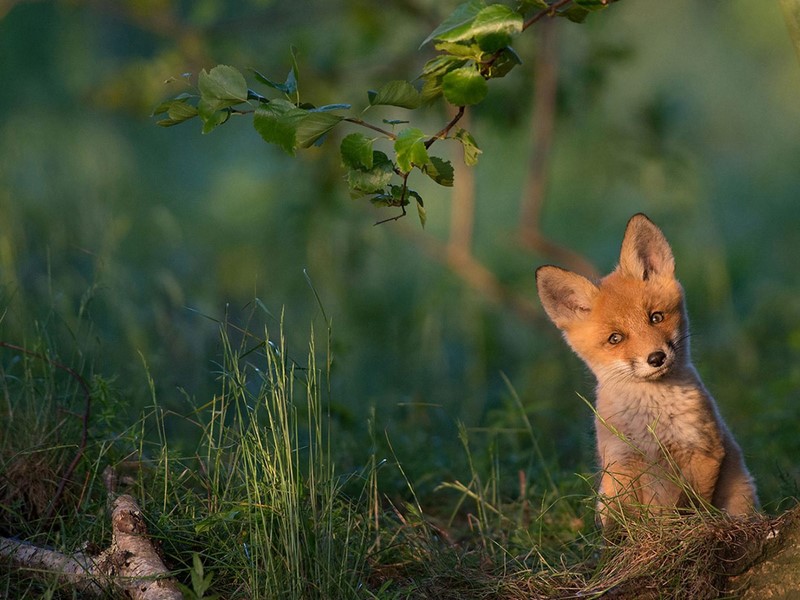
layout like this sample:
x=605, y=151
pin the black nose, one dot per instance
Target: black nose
x=656, y=359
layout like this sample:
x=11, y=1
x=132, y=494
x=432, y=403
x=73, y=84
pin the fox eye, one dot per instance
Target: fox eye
x=656, y=317
x=615, y=338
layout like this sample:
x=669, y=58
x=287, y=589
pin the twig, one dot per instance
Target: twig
x=85, y=418
x=550, y=11
x=363, y=123
x=401, y=203
x=394, y=218
x=446, y=129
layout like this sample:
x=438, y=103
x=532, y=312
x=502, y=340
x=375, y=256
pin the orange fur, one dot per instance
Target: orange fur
x=660, y=439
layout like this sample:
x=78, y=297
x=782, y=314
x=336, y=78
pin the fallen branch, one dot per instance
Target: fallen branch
x=74, y=570
x=130, y=565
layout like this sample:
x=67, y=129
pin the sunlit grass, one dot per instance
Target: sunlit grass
x=261, y=500
x=257, y=507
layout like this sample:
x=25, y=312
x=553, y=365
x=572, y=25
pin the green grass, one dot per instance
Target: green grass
x=257, y=508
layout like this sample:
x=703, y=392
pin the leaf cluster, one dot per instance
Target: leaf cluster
x=473, y=46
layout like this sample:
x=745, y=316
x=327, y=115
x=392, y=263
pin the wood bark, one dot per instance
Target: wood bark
x=130, y=565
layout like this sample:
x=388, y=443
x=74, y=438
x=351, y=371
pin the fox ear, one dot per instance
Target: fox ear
x=565, y=296
x=645, y=250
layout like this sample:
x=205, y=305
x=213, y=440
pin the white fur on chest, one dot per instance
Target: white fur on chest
x=655, y=415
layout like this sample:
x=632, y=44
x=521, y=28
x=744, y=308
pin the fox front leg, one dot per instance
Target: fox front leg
x=619, y=492
x=698, y=473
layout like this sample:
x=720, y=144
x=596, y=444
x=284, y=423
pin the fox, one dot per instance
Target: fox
x=661, y=442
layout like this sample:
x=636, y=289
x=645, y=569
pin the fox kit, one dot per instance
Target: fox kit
x=660, y=439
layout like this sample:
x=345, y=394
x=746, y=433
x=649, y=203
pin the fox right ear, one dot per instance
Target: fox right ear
x=645, y=251
x=565, y=296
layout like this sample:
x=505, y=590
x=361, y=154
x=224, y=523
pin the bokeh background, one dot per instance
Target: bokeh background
x=125, y=245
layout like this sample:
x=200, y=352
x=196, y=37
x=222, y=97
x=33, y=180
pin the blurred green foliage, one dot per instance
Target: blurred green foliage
x=128, y=243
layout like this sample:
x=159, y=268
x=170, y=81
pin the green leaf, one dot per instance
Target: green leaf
x=440, y=170
x=222, y=84
x=293, y=77
x=458, y=49
x=312, y=126
x=289, y=87
x=453, y=28
x=506, y=60
x=281, y=122
x=276, y=122
x=423, y=216
x=356, y=150
x=177, y=110
x=432, y=74
x=592, y=4
x=464, y=86
x=494, y=27
x=252, y=95
x=281, y=87
x=164, y=106
x=396, y=93
x=442, y=64
x=181, y=111
x=214, y=120
x=373, y=180
x=471, y=150
x=396, y=195
x=329, y=107
x=198, y=583
x=576, y=14
x=410, y=149
x=220, y=88
x=526, y=5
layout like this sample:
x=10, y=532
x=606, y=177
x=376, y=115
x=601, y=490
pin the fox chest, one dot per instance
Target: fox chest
x=650, y=423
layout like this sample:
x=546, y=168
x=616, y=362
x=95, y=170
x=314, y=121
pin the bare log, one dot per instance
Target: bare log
x=132, y=562
x=130, y=565
x=75, y=570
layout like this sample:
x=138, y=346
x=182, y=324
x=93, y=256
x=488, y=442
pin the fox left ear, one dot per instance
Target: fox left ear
x=645, y=251
x=566, y=297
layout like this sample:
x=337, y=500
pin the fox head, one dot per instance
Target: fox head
x=631, y=325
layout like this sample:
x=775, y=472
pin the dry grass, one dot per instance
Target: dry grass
x=669, y=556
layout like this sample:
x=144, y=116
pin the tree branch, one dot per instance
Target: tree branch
x=446, y=129
x=542, y=135
x=357, y=121
x=550, y=11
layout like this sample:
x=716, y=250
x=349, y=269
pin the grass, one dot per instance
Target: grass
x=257, y=509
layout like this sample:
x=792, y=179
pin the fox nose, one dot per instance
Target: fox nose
x=656, y=359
